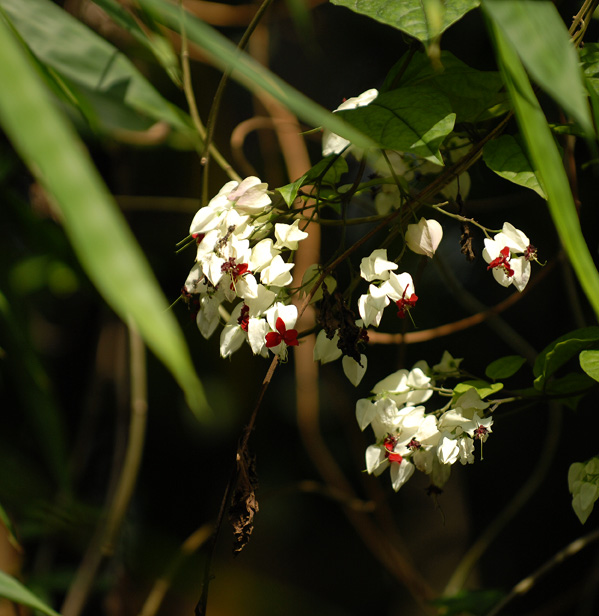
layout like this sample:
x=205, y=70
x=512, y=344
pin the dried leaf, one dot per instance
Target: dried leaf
x=244, y=504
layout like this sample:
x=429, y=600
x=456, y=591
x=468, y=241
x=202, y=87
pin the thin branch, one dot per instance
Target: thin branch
x=527, y=583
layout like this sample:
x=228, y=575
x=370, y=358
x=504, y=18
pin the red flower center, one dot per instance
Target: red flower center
x=502, y=262
x=244, y=317
x=288, y=336
x=389, y=444
x=404, y=304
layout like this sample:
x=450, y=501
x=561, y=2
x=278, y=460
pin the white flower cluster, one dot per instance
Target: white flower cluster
x=409, y=438
x=390, y=287
x=509, y=255
x=236, y=260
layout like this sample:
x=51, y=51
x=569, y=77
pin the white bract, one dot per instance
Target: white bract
x=424, y=238
x=376, y=266
x=334, y=144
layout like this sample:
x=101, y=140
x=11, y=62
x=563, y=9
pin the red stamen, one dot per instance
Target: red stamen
x=502, y=262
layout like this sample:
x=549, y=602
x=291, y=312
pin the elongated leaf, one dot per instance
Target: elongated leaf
x=13, y=590
x=545, y=158
x=538, y=35
x=99, y=234
x=483, y=388
x=472, y=93
x=412, y=119
x=507, y=159
x=86, y=60
x=411, y=16
x=159, y=45
x=251, y=74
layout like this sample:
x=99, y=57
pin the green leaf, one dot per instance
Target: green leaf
x=470, y=92
x=547, y=162
x=583, y=502
x=327, y=171
x=570, y=388
x=576, y=473
x=558, y=352
x=507, y=159
x=97, y=230
x=412, y=119
x=504, y=367
x=550, y=58
x=471, y=602
x=250, y=73
x=412, y=16
x=97, y=69
x=483, y=388
x=13, y=590
x=589, y=362
x=159, y=45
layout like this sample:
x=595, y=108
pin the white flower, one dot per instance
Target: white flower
x=334, y=144
x=398, y=287
x=257, y=330
x=405, y=387
x=232, y=336
x=208, y=315
x=288, y=236
x=424, y=237
x=371, y=305
x=509, y=255
x=376, y=266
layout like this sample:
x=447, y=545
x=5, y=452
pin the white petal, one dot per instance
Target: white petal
x=374, y=458
x=257, y=330
x=365, y=412
x=326, y=350
x=400, y=473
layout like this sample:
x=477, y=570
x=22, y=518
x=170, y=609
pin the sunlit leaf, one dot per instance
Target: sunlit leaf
x=13, y=590
x=99, y=234
x=97, y=69
x=411, y=16
x=483, y=388
x=551, y=58
x=589, y=362
x=411, y=119
x=507, y=159
x=470, y=92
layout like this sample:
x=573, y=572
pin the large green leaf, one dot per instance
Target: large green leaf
x=560, y=351
x=507, y=159
x=412, y=119
x=472, y=93
x=251, y=74
x=546, y=160
x=13, y=590
x=538, y=35
x=98, y=232
x=91, y=65
x=417, y=18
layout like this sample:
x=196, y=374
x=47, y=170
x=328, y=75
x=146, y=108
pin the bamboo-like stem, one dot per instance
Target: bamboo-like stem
x=104, y=539
x=161, y=586
x=193, y=108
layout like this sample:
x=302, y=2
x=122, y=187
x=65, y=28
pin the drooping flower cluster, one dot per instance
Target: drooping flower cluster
x=509, y=255
x=235, y=260
x=409, y=438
